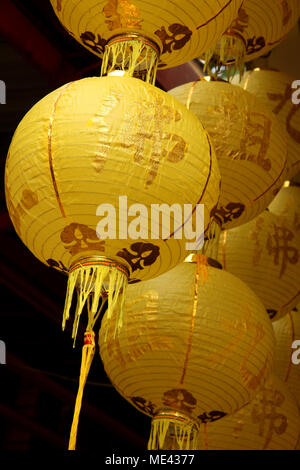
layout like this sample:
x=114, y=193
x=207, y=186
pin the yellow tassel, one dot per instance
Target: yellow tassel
x=88, y=352
x=229, y=52
x=90, y=278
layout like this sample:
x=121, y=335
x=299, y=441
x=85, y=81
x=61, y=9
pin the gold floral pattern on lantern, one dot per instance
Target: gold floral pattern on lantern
x=232, y=211
x=176, y=39
x=96, y=43
x=143, y=405
x=211, y=416
x=121, y=14
x=179, y=399
x=141, y=255
x=79, y=238
x=241, y=22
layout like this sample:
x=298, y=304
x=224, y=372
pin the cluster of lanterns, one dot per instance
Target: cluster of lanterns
x=187, y=340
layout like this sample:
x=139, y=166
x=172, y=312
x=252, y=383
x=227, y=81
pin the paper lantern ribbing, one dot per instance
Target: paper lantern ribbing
x=286, y=358
x=270, y=422
x=287, y=204
x=181, y=29
x=258, y=28
x=86, y=144
x=195, y=345
x=264, y=253
x=275, y=90
x=250, y=145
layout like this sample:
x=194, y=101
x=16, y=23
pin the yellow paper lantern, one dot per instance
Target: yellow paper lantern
x=250, y=145
x=181, y=29
x=264, y=253
x=196, y=344
x=258, y=28
x=287, y=204
x=86, y=144
x=270, y=422
x=275, y=90
x=286, y=359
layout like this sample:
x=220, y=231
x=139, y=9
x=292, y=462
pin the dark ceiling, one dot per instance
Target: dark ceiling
x=38, y=384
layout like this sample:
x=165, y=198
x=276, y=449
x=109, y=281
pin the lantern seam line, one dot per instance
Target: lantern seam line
x=50, y=157
x=214, y=17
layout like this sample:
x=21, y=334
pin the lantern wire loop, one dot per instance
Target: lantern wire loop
x=95, y=279
x=135, y=55
x=88, y=352
x=229, y=52
x=170, y=426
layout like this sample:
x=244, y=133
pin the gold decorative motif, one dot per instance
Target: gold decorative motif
x=264, y=414
x=278, y=244
x=58, y=5
x=57, y=265
x=241, y=22
x=151, y=117
x=286, y=12
x=179, y=399
x=79, y=238
x=255, y=45
x=143, y=405
x=232, y=211
x=211, y=416
x=121, y=14
x=177, y=39
x=97, y=44
x=283, y=98
x=256, y=133
x=28, y=201
x=143, y=254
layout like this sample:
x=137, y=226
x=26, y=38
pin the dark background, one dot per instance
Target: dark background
x=39, y=382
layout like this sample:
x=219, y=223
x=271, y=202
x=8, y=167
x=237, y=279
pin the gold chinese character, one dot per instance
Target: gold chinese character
x=278, y=245
x=255, y=140
x=264, y=414
x=283, y=98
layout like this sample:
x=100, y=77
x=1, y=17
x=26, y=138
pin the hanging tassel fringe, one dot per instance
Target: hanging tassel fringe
x=230, y=53
x=136, y=56
x=170, y=431
x=95, y=281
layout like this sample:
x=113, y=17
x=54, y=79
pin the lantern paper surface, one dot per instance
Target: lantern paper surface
x=91, y=141
x=195, y=340
x=270, y=422
x=287, y=204
x=250, y=145
x=275, y=90
x=182, y=29
x=262, y=25
x=287, y=367
x=264, y=253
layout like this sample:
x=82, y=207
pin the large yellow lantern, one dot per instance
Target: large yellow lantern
x=287, y=204
x=195, y=345
x=86, y=144
x=287, y=351
x=264, y=253
x=181, y=29
x=250, y=145
x=270, y=422
x=278, y=92
x=258, y=28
